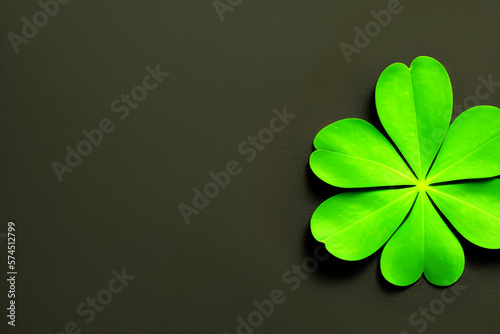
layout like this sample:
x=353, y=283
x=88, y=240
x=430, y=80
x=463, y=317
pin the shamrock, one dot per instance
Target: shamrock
x=447, y=168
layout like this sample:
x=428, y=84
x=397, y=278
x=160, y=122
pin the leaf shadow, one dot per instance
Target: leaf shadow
x=330, y=267
x=373, y=115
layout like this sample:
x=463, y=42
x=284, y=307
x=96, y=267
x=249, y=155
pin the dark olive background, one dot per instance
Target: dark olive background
x=119, y=208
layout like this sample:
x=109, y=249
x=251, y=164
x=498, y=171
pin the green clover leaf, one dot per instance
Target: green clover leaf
x=415, y=106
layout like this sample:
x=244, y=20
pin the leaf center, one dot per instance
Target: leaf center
x=422, y=185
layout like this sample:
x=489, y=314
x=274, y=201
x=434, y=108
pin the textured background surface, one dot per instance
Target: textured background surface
x=119, y=207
